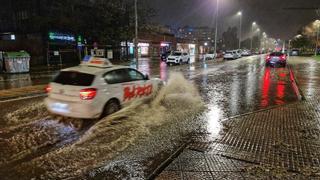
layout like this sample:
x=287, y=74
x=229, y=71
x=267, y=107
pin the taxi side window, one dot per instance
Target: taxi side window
x=117, y=76
x=135, y=75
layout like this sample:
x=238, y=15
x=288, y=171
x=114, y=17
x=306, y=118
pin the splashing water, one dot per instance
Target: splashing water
x=27, y=114
x=176, y=102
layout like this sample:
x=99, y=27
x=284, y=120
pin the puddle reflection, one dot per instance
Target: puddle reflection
x=276, y=86
x=163, y=71
x=213, y=117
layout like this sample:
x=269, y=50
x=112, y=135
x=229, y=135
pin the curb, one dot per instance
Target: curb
x=22, y=97
x=167, y=162
x=295, y=85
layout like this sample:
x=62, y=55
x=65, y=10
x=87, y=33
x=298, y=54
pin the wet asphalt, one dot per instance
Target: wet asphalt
x=227, y=88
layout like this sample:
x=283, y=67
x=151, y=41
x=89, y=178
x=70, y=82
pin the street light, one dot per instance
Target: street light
x=216, y=30
x=289, y=47
x=240, y=33
x=136, y=32
x=259, y=38
x=253, y=25
x=264, y=34
x=317, y=24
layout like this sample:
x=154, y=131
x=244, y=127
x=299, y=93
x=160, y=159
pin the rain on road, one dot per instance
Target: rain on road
x=35, y=144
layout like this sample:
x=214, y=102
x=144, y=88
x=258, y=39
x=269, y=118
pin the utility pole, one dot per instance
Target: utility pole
x=216, y=31
x=136, y=53
x=240, y=33
x=317, y=31
x=253, y=24
x=289, y=47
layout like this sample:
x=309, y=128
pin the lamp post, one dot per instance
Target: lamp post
x=264, y=35
x=259, y=39
x=240, y=29
x=317, y=24
x=289, y=47
x=136, y=32
x=253, y=24
x=216, y=29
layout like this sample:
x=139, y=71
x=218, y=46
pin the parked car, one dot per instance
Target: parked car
x=96, y=89
x=246, y=53
x=210, y=56
x=294, y=52
x=230, y=55
x=276, y=58
x=178, y=57
x=239, y=53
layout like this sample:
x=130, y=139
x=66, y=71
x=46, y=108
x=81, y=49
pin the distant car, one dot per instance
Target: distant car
x=276, y=58
x=256, y=52
x=230, y=55
x=178, y=57
x=95, y=89
x=246, y=53
x=210, y=55
x=239, y=53
x=295, y=52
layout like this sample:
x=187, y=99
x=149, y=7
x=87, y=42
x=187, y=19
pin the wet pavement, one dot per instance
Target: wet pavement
x=280, y=142
x=134, y=142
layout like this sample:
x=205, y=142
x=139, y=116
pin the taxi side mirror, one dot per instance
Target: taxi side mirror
x=146, y=77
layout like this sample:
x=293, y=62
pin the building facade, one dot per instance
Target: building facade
x=201, y=37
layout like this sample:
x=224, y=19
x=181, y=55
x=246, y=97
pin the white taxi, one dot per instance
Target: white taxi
x=96, y=88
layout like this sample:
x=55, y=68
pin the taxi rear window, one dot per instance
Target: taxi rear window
x=74, y=78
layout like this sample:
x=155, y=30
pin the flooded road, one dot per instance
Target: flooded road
x=133, y=142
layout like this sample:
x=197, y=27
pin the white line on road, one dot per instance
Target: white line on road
x=23, y=98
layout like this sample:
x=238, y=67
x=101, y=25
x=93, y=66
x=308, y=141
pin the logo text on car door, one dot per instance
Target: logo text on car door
x=136, y=91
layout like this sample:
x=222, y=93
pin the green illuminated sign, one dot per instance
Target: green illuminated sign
x=79, y=38
x=61, y=37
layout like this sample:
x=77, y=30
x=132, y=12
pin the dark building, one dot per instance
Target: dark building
x=196, y=34
x=201, y=37
x=24, y=26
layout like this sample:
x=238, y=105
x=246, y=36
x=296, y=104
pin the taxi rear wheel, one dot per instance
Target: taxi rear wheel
x=111, y=107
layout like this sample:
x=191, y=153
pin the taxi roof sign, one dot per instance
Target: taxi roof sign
x=96, y=61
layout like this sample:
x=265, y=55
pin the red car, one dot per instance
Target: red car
x=276, y=58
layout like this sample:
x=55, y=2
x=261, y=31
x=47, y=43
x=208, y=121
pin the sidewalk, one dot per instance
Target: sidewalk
x=22, y=92
x=278, y=143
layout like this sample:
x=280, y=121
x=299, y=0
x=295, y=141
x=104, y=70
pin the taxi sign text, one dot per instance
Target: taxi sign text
x=131, y=92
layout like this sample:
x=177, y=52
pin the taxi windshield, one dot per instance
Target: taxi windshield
x=74, y=78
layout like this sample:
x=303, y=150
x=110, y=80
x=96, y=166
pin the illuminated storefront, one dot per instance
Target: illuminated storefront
x=143, y=48
x=185, y=47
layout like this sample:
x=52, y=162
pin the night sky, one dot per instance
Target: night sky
x=269, y=14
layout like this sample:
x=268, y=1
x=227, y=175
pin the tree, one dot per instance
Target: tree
x=103, y=21
x=302, y=42
x=230, y=39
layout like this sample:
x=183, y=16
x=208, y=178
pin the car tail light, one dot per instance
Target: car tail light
x=268, y=57
x=88, y=94
x=48, y=89
x=283, y=57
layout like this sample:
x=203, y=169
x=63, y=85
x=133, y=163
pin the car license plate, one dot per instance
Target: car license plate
x=60, y=107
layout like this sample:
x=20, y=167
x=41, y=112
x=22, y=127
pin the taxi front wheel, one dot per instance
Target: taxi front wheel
x=111, y=107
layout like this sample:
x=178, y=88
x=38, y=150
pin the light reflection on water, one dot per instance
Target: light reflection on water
x=213, y=117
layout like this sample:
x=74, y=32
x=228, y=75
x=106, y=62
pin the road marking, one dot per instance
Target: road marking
x=23, y=98
x=295, y=86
